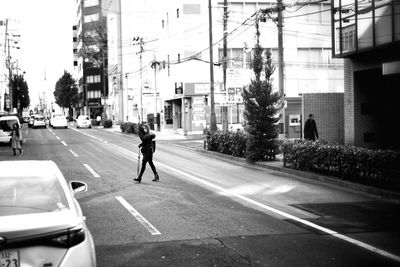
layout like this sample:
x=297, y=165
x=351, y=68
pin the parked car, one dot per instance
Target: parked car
x=39, y=121
x=83, y=121
x=6, y=124
x=41, y=222
x=59, y=121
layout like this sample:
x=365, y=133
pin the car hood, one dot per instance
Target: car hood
x=18, y=226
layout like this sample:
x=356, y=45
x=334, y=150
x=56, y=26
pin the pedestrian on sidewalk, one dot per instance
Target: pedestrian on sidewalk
x=310, y=128
x=147, y=150
x=16, y=139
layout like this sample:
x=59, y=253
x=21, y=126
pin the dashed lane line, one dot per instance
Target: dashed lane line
x=73, y=153
x=91, y=170
x=138, y=216
x=62, y=142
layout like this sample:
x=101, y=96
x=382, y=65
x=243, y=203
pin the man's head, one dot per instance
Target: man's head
x=311, y=116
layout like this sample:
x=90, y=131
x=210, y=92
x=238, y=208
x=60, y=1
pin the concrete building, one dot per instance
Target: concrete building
x=367, y=35
x=308, y=63
x=90, y=57
x=159, y=60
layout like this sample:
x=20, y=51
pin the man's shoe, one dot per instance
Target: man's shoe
x=138, y=179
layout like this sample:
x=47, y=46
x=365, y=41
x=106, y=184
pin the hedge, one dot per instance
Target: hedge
x=129, y=127
x=375, y=167
x=232, y=143
x=107, y=123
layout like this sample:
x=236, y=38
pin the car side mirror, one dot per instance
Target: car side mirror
x=78, y=187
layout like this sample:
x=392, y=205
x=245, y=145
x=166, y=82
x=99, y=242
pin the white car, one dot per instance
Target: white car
x=41, y=222
x=59, y=121
x=83, y=121
x=6, y=124
x=39, y=121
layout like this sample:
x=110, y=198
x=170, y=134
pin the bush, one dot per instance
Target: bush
x=95, y=122
x=107, y=123
x=129, y=127
x=230, y=143
x=375, y=167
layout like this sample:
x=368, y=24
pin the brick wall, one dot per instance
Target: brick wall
x=328, y=110
x=354, y=123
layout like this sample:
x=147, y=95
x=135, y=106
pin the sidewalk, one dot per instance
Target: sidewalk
x=196, y=142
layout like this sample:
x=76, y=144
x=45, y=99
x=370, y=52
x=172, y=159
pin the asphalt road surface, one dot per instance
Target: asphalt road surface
x=212, y=212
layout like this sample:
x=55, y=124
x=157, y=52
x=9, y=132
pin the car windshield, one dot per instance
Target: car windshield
x=39, y=118
x=24, y=195
x=6, y=125
x=83, y=118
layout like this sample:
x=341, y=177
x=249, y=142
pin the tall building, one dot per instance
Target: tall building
x=367, y=35
x=161, y=62
x=184, y=53
x=90, y=57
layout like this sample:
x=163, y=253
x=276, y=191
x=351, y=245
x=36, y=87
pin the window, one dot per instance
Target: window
x=93, y=79
x=316, y=57
x=91, y=18
x=88, y=3
x=94, y=94
x=191, y=9
x=179, y=58
x=162, y=24
x=177, y=13
x=236, y=58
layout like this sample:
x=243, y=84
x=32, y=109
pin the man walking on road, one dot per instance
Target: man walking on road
x=310, y=128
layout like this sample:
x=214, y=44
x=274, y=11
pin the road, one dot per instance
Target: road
x=211, y=212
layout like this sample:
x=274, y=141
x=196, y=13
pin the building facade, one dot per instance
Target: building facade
x=367, y=35
x=162, y=69
x=90, y=58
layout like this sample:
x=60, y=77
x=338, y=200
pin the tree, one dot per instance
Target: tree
x=261, y=107
x=66, y=92
x=20, y=93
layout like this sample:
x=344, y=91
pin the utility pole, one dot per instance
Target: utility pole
x=225, y=121
x=155, y=64
x=281, y=61
x=225, y=52
x=141, y=80
x=213, y=121
x=120, y=67
x=105, y=79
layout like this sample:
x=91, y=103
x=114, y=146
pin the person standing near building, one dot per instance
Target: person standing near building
x=16, y=138
x=147, y=150
x=310, y=128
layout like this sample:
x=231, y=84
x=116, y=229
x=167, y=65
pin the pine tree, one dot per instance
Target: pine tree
x=261, y=108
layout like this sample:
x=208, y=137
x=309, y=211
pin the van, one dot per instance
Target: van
x=6, y=124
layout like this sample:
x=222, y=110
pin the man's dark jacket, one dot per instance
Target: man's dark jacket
x=310, y=130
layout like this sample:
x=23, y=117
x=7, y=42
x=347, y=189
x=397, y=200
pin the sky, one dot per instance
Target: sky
x=45, y=27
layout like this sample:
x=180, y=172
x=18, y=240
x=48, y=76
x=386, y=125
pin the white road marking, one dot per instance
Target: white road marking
x=138, y=216
x=58, y=137
x=62, y=142
x=91, y=170
x=73, y=153
x=88, y=135
x=287, y=215
x=276, y=211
